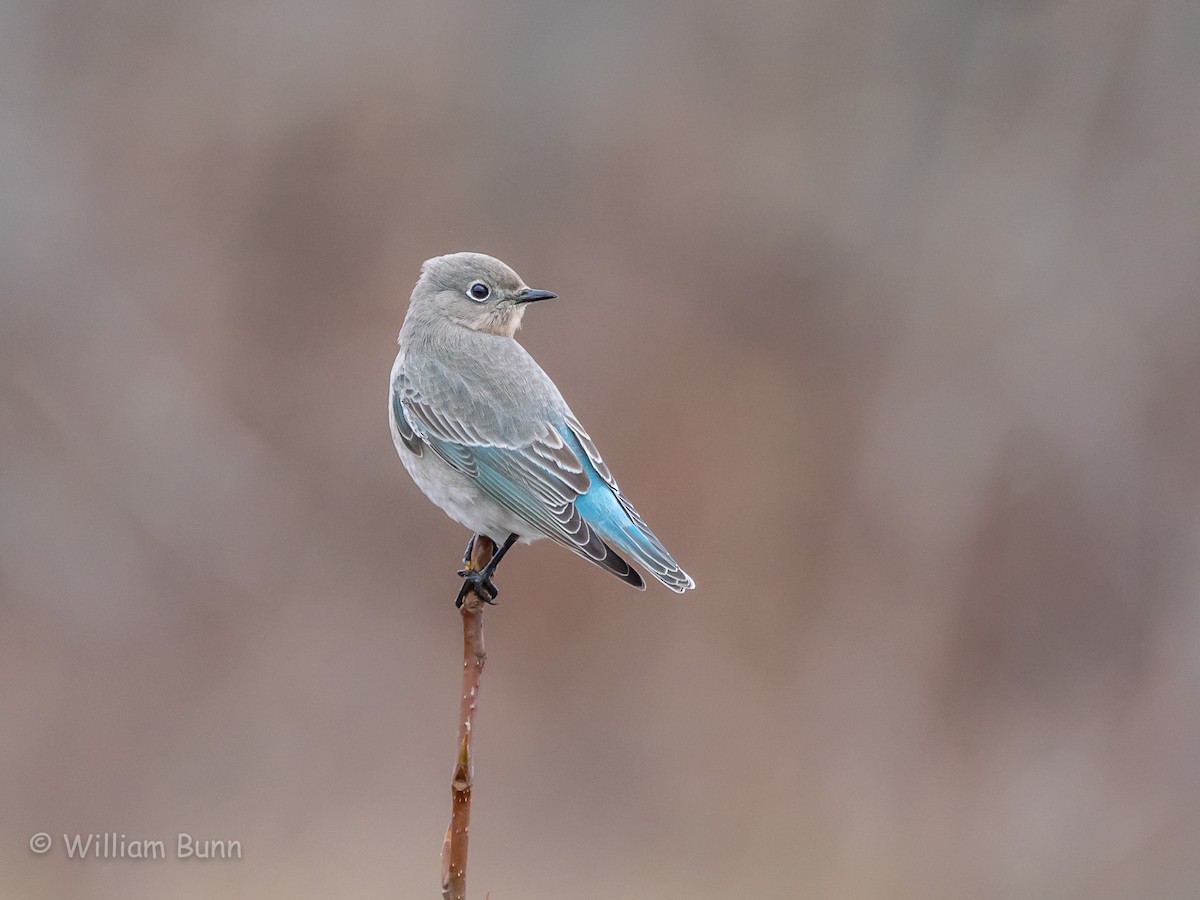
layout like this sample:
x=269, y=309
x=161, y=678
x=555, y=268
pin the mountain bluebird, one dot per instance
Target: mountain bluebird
x=486, y=435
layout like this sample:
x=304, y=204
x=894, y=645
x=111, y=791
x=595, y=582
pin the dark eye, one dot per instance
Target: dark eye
x=479, y=291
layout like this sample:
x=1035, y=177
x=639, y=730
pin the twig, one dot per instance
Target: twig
x=454, y=848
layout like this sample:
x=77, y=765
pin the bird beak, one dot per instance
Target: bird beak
x=529, y=295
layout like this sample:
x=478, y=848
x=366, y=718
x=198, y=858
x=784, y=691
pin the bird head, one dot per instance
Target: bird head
x=475, y=291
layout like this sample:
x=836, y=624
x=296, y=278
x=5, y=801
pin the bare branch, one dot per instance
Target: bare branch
x=454, y=848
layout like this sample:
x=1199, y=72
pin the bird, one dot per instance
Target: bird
x=487, y=436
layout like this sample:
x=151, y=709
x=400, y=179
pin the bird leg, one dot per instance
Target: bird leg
x=481, y=581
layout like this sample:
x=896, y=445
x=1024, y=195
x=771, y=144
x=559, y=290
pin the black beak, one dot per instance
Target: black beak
x=529, y=295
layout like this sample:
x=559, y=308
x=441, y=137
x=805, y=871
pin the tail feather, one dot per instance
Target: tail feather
x=613, y=562
x=618, y=525
x=611, y=520
x=646, y=549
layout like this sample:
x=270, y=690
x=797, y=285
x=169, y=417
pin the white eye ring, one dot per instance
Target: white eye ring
x=478, y=291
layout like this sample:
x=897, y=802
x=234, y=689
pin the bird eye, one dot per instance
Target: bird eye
x=479, y=291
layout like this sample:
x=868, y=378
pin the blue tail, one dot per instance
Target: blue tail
x=618, y=524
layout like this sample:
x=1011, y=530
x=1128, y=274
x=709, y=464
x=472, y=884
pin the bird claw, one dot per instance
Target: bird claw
x=480, y=583
x=480, y=580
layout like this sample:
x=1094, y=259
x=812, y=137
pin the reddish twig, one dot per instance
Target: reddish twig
x=454, y=848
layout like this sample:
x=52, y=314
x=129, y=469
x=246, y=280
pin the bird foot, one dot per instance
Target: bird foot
x=479, y=582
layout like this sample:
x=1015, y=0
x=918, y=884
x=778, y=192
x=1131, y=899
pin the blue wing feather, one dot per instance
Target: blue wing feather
x=555, y=480
x=527, y=485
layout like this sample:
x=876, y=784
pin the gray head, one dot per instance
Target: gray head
x=473, y=290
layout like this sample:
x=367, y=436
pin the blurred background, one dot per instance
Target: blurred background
x=886, y=315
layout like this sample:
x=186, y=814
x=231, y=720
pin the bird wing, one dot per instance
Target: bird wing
x=501, y=432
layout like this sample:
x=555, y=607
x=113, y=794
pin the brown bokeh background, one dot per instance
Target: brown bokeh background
x=886, y=315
